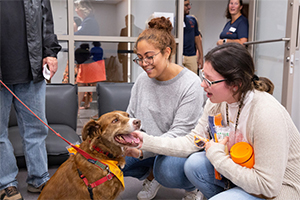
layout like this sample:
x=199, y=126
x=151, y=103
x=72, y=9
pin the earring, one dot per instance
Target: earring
x=234, y=89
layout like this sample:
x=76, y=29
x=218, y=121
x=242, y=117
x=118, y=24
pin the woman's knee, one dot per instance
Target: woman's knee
x=234, y=193
x=168, y=166
x=195, y=162
x=165, y=168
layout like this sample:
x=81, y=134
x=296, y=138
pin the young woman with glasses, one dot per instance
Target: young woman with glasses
x=167, y=98
x=253, y=116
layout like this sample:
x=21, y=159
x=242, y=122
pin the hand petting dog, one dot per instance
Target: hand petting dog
x=137, y=141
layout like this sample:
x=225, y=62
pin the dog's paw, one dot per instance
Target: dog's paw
x=122, y=163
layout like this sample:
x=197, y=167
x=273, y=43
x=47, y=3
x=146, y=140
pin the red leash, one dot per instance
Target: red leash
x=83, y=153
x=92, y=160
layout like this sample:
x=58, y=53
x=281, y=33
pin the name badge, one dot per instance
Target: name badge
x=232, y=29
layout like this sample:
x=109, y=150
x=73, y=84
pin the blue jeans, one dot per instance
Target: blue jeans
x=200, y=172
x=137, y=168
x=167, y=170
x=32, y=131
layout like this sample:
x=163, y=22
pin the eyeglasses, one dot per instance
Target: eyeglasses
x=148, y=60
x=208, y=82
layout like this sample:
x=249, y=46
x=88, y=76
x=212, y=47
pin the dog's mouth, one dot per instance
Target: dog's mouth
x=126, y=139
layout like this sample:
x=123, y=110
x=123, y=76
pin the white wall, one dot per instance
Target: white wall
x=211, y=19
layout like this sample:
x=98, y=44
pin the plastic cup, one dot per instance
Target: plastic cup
x=242, y=154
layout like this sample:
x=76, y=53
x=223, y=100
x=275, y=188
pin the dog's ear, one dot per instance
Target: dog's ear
x=91, y=129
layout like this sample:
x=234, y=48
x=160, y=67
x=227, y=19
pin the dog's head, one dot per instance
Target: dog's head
x=111, y=129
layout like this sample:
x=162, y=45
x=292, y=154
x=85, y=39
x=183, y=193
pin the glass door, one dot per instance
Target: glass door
x=270, y=23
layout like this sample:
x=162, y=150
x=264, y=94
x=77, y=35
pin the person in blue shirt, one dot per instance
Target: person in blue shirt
x=97, y=51
x=192, y=44
x=236, y=29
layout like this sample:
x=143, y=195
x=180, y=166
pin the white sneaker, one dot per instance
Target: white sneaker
x=149, y=190
x=193, y=195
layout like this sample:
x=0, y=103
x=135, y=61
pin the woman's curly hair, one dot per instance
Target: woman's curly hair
x=159, y=35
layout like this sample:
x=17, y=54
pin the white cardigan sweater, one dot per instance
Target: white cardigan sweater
x=276, y=143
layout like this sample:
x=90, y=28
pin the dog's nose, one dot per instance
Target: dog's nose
x=137, y=123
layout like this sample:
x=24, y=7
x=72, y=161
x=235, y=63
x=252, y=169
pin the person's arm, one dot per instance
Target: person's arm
x=198, y=42
x=241, y=41
x=51, y=46
x=179, y=146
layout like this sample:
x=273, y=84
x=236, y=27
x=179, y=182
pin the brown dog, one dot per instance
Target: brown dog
x=100, y=141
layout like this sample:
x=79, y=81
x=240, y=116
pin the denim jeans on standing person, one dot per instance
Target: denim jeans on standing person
x=33, y=133
x=200, y=172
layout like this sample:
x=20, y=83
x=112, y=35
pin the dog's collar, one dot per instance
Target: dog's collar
x=103, y=152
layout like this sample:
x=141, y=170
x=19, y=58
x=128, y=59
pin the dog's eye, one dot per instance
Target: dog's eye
x=115, y=120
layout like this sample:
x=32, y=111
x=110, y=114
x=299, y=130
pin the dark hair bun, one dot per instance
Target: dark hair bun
x=85, y=46
x=161, y=23
x=82, y=53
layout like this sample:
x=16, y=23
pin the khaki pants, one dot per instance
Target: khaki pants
x=190, y=62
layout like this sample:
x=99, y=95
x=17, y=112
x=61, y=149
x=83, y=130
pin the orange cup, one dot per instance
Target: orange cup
x=242, y=154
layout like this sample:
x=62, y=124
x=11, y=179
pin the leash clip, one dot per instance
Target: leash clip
x=109, y=176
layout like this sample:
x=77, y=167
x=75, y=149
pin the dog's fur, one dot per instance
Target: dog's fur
x=66, y=183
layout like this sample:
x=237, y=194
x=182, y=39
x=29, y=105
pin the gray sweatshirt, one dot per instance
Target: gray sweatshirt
x=167, y=108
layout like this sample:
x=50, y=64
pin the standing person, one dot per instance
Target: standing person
x=77, y=23
x=97, y=51
x=192, y=41
x=89, y=25
x=123, y=49
x=167, y=98
x=236, y=29
x=23, y=55
x=253, y=116
x=89, y=72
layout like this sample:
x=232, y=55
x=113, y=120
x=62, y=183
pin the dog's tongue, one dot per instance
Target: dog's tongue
x=130, y=139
